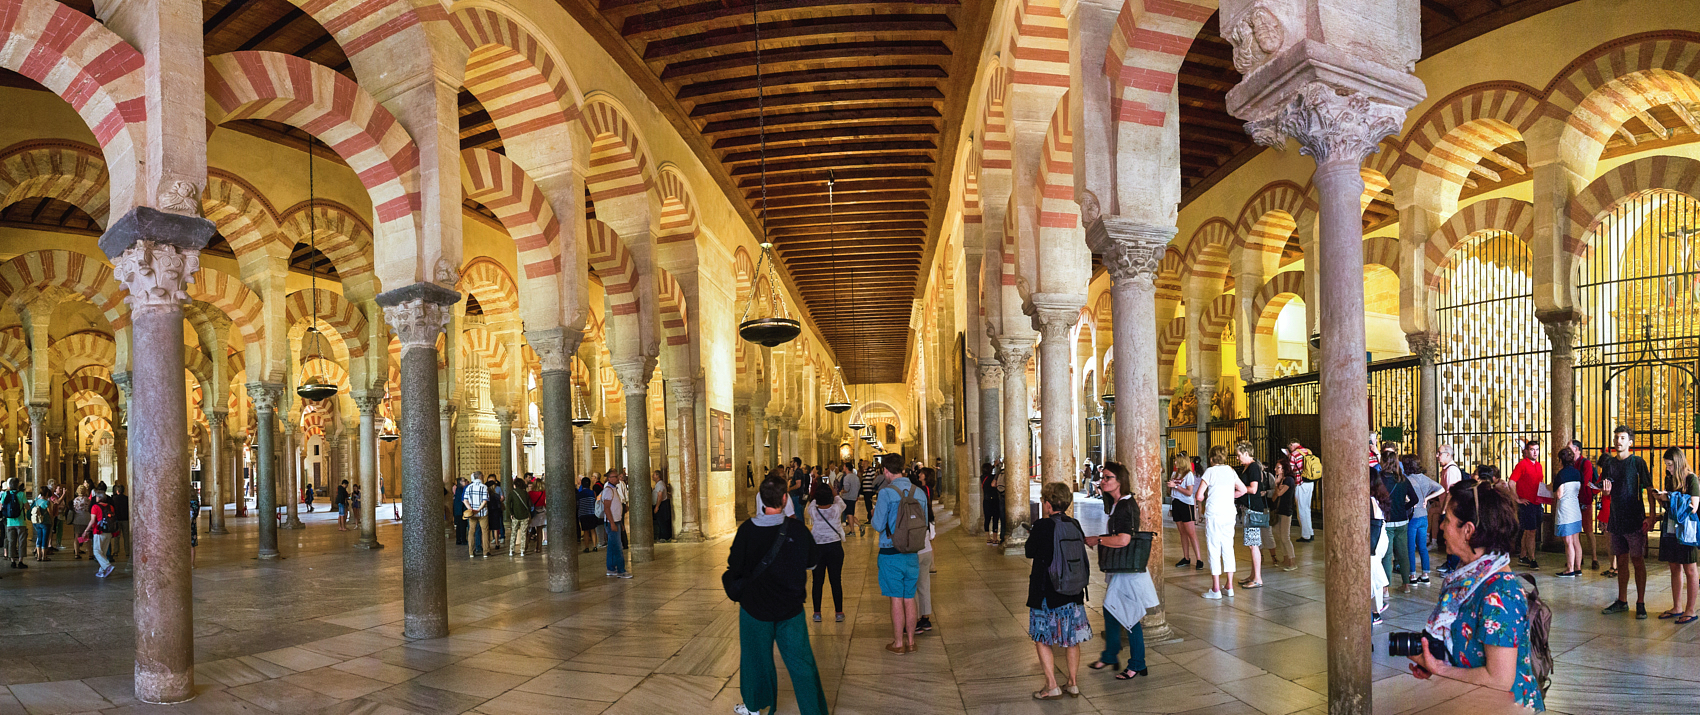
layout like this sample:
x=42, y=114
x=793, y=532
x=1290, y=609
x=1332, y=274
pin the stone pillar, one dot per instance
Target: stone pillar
x=505, y=418
x=684, y=392
x=741, y=434
x=554, y=347
x=1132, y=252
x=757, y=455
x=1057, y=316
x=634, y=377
x=1339, y=127
x=991, y=411
x=1015, y=352
x=215, y=470
x=154, y=255
x=265, y=396
x=367, y=403
x=1202, y=393
x=1426, y=346
x=1561, y=327
x=238, y=479
x=447, y=435
x=969, y=500
x=417, y=314
x=292, y=439
x=38, y=445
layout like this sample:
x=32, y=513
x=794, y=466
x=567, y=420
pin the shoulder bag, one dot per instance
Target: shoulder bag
x=734, y=585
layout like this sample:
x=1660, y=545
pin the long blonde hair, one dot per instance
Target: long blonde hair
x=1678, y=468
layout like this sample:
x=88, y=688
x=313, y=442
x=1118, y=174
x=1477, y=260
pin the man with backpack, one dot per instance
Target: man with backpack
x=1307, y=467
x=900, y=518
x=13, y=503
x=765, y=574
x=100, y=528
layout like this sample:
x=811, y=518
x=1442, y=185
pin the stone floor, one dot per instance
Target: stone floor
x=320, y=632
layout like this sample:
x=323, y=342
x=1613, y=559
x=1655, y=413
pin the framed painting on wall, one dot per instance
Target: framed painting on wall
x=719, y=441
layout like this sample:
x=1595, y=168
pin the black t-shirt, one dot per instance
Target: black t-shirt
x=777, y=594
x=1287, y=503
x=1253, y=498
x=1629, y=478
x=1122, y=515
x=1040, y=545
x=120, y=507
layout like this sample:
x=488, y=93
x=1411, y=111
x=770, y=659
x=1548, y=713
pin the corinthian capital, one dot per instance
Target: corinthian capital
x=634, y=375
x=156, y=274
x=990, y=372
x=1014, y=353
x=1131, y=251
x=684, y=389
x=1329, y=124
x=1425, y=345
x=418, y=313
x=265, y=395
x=367, y=402
x=1056, y=315
x=38, y=414
x=554, y=347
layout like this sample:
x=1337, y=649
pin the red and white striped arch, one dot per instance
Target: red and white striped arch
x=1453, y=137
x=1615, y=80
x=90, y=67
x=675, y=323
x=229, y=294
x=1057, y=208
x=311, y=97
x=619, y=165
x=1039, y=45
x=1169, y=344
x=1279, y=290
x=1169, y=272
x=85, y=275
x=1207, y=255
x=617, y=270
x=326, y=369
x=1589, y=207
x=1145, y=54
x=82, y=349
x=71, y=172
x=243, y=217
x=334, y=311
x=97, y=386
x=490, y=283
x=1265, y=223
x=1382, y=251
x=14, y=354
x=1214, y=320
x=678, y=220
x=342, y=235
x=504, y=188
x=492, y=353
x=742, y=269
x=518, y=79
x=1502, y=214
x=995, y=144
x=380, y=33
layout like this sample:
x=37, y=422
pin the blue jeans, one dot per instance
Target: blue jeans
x=1416, y=540
x=616, y=559
x=1113, y=643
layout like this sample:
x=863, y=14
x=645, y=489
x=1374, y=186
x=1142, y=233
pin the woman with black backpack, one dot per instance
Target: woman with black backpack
x=1056, y=616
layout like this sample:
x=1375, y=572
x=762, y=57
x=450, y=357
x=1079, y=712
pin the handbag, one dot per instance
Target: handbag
x=734, y=586
x=1256, y=519
x=1133, y=558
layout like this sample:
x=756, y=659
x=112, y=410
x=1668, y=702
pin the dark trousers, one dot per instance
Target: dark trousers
x=758, y=680
x=868, y=501
x=830, y=566
x=460, y=527
x=994, y=516
x=1113, y=642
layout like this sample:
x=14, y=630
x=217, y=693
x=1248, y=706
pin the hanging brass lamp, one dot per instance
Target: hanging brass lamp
x=316, y=387
x=766, y=320
x=581, y=410
x=837, y=397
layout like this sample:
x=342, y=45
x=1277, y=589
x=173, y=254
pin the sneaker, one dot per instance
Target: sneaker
x=1183, y=563
x=1228, y=592
x=609, y=574
x=739, y=709
x=839, y=618
x=624, y=574
x=20, y=565
x=1640, y=611
x=1198, y=566
x=1375, y=619
x=817, y=617
x=923, y=625
x=1568, y=574
x=1213, y=595
x=1615, y=607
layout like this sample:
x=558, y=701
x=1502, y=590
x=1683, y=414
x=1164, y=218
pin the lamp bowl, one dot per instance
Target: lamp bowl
x=771, y=332
x=838, y=408
x=316, y=391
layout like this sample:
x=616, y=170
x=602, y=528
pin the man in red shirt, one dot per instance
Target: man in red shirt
x=1528, y=478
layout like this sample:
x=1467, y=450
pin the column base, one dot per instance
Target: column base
x=217, y=530
x=641, y=555
x=290, y=526
x=1015, y=541
x=374, y=546
x=268, y=556
x=296, y=524
x=690, y=537
x=1158, y=633
x=165, y=688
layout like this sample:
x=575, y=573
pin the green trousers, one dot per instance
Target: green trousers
x=758, y=682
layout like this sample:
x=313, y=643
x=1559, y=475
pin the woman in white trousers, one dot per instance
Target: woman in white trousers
x=1217, y=490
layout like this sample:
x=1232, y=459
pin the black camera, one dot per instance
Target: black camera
x=1410, y=643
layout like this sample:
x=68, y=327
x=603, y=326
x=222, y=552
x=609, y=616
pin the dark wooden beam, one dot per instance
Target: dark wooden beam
x=824, y=116
x=717, y=42
x=840, y=132
x=782, y=58
x=824, y=96
x=771, y=80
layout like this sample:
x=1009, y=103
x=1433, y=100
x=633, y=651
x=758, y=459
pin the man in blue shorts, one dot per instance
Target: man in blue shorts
x=899, y=572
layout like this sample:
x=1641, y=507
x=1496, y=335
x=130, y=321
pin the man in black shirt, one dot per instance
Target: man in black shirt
x=1626, y=477
x=770, y=609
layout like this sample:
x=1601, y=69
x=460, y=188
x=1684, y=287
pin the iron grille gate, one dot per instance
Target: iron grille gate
x=1286, y=408
x=1638, y=349
x=1493, y=364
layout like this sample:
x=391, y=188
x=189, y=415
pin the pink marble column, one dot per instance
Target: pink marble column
x=1057, y=316
x=1131, y=252
x=154, y=255
x=367, y=403
x=689, y=480
x=38, y=445
x=640, y=524
x=1018, y=519
x=215, y=467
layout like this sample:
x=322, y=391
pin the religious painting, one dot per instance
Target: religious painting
x=964, y=363
x=719, y=441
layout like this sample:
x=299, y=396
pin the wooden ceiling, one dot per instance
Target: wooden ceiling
x=868, y=95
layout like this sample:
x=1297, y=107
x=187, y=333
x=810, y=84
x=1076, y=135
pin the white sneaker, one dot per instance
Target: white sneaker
x=624, y=574
x=739, y=709
x=1213, y=595
x=1228, y=592
x=610, y=574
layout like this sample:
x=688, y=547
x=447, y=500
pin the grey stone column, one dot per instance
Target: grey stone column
x=153, y=256
x=1132, y=253
x=505, y=419
x=554, y=347
x=417, y=315
x=1202, y=392
x=640, y=523
x=216, y=470
x=1561, y=329
x=1015, y=352
x=1426, y=346
x=741, y=433
x=991, y=410
x=684, y=392
x=38, y=445
x=447, y=437
x=367, y=403
x=292, y=438
x=265, y=396
x=1057, y=316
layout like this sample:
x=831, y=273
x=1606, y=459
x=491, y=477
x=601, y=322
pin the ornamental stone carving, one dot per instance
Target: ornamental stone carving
x=1330, y=125
x=505, y=417
x=156, y=274
x=1256, y=35
x=367, y=402
x=265, y=396
x=1425, y=345
x=991, y=373
x=181, y=198
x=552, y=347
x=446, y=272
x=38, y=414
x=216, y=420
x=684, y=390
x=1014, y=355
x=634, y=376
x=1055, y=323
x=417, y=323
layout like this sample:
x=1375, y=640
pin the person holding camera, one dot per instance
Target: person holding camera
x=1485, y=630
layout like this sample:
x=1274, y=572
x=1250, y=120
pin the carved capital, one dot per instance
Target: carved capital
x=1425, y=345
x=991, y=373
x=505, y=417
x=417, y=323
x=634, y=375
x=156, y=274
x=740, y=411
x=265, y=395
x=684, y=390
x=554, y=347
x=367, y=402
x=1056, y=315
x=38, y=414
x=216, y=420
x=1014, y=354
x=1329, y=124
x=1561, y=327
x=1131, y=251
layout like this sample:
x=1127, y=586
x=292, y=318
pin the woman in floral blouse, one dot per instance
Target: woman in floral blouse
x=1484, y=618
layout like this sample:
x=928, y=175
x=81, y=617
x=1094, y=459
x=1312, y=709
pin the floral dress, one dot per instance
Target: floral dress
x=1498, y=615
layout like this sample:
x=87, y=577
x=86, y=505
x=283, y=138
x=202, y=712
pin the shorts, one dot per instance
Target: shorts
x=588, y=522
x=1673, y=551
x=1253, y=536
x=1570, y=529
x=342, y=509
x=849, y=507
x=1632, y=544
x=1181, y=511
x=1529, y=517
x=899, y=573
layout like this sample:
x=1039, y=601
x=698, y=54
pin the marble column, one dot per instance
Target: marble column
x=1426, y=346
x=238, y=478
x=1203, y=392
x=991, y=410
x=634, y=377
x=265, y=397
x=684, y=392
x=1014, y=353
x=554, y=347
x=741, y=432
x=447, y=437
x=417, y=314
x=216, y=469
x=1057, y=316
x=38, y=445
x=1131, y=252
x=292, y=439
x=367, y=403
x=505, y=420
x=757, y=455
x=1339, y=128
x=154, y=255
x=1561, y=327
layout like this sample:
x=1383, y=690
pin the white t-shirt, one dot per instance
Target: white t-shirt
x=1189, y=482
x=1569, y=505
x=1450, y=475
x=613, y=510
x=1219, y=497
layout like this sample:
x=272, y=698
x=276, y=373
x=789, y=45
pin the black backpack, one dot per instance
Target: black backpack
x=1069, y=570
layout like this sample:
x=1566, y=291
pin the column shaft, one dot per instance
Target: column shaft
x=1561, y=331
x=505, y=418
x=265, y=397
x=447, y=441
x=741, y=433
x=1017, y=466
x=368, y=451
x=640, y=521
x=554, y=347
x=292, y=439
x=214, y=478
x=690, y=477
x=38, y=445
x=1057, y=318
x=1427, y=348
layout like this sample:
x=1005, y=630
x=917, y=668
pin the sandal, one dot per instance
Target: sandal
x=1685, y=620
x=1100, y=665
x=1130, y=674
x=1052, y=694
x=1249, y=585
x=1672, y=613
x=1609, y=573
